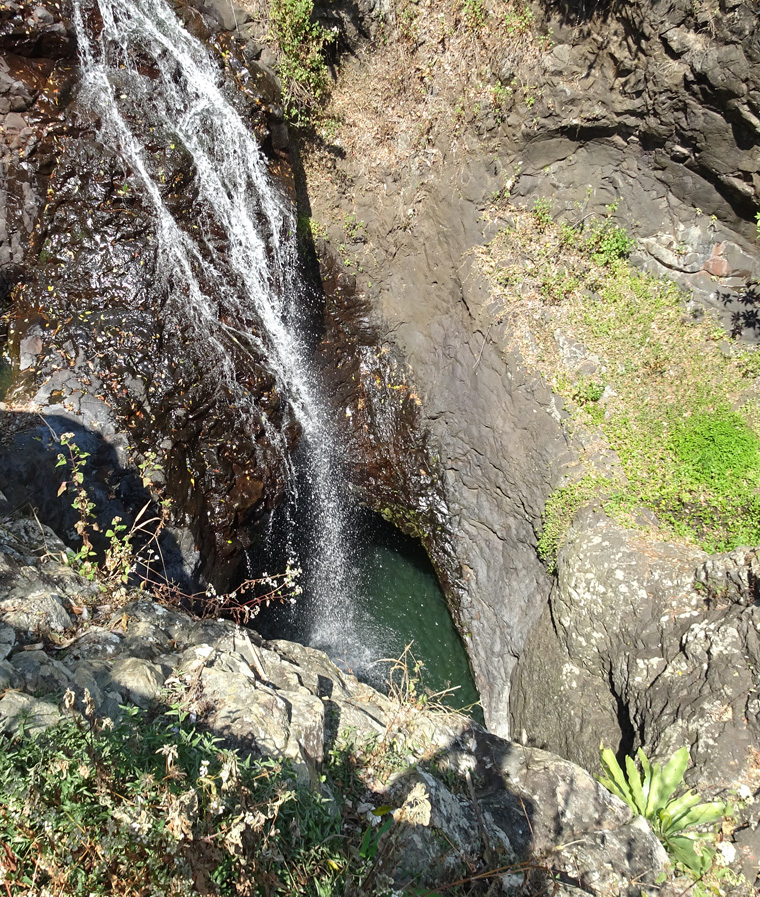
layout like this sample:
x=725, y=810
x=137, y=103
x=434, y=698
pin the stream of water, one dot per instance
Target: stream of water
x=237, y=266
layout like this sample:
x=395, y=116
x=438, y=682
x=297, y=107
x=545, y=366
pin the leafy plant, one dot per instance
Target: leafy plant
x=475, y=13
x=673, y=819
x=718, y=447
x=558, y=515
x=371, y=840
x=608, y=243
x=518, y=19
x=156, y=805
x=587, y=392
x=354, y=229
x=542, y=208
x=302, y=43
x=83, y=559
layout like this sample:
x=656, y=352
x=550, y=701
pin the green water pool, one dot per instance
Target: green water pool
x=403, y=603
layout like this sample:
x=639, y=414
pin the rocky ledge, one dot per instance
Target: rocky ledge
x=646, y=642
x=493, y=803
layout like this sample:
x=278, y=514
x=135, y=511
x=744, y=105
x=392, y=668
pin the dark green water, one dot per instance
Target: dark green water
x=392, y=600
x=405, y=605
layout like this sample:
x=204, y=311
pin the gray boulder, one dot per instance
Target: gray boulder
x=461, y=797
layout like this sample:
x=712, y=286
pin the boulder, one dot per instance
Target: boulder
x=654, y=645
x=460, y=796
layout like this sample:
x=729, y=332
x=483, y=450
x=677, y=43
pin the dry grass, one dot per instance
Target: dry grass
x=436, y=68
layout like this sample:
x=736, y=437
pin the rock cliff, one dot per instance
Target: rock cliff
x=652, y=108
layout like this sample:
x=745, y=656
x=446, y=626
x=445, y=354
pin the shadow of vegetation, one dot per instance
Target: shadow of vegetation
x=578, y=12
x=744, y=308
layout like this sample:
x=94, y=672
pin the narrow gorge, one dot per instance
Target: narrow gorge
x=480, y=288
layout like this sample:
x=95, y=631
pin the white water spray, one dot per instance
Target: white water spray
x=251, y=268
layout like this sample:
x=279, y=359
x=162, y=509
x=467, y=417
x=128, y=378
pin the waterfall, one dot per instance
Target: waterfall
x=237, y=264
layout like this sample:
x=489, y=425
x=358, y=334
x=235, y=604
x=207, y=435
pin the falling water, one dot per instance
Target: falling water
x=248, y=275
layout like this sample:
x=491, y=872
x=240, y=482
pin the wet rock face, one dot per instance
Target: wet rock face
x=378, y=414
x=654, y=645
x=94, y=321
x=36, y=76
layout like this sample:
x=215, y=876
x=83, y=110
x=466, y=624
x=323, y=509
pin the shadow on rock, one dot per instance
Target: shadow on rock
x=32, y=479
x=744, y=308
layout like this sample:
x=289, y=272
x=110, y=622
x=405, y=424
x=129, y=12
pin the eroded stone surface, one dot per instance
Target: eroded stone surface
x=649, y=644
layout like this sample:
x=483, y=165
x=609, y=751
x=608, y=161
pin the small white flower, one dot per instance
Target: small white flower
x=726, y=853
x=169, y=751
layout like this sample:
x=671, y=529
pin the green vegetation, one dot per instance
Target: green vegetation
x=155, y=805
x=301, y=65
x=656, y=387
x=128, y=547
x=607, y=243
x=84, y=559
x=475, y=13
x=673, y=819
x=717, y=448
x=558, y=515
x=518, y=19
x=309, y=228
x=354, y=229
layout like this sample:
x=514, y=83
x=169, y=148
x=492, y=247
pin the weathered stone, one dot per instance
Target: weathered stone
x=7, y=640
x=41, y=674
x=462, y=797
x=34, y=613
x=647, y=644
x=94, y=642
x=137, y=679
x=18, y=710
x=8, y=676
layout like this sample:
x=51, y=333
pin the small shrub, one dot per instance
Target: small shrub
x=157, y=806
x=474, y=12
x=673, y=819
x=84, y=559
x=518, y=19
x=558, y=515
x=587, y=392
x=302, y=43
x=542, y=209
x=607, y=243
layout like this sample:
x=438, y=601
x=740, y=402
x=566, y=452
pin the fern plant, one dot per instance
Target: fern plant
x=673, y=819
